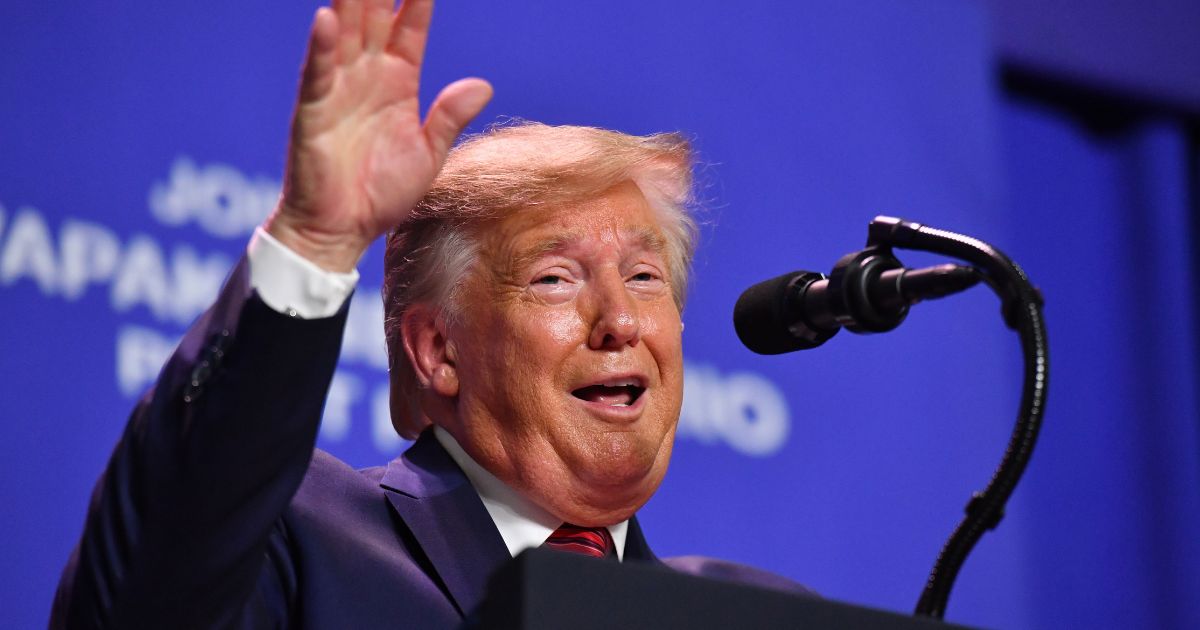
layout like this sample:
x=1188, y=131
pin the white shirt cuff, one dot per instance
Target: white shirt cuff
x=292, y=284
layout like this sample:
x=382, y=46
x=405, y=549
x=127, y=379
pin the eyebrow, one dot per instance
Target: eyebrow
x=643, y=236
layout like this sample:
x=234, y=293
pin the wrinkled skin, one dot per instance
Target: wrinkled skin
x=564, y=374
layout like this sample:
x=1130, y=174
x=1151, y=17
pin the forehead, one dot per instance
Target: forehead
x=619, y=216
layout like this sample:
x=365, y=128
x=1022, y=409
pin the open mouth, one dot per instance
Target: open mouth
x=618, y=393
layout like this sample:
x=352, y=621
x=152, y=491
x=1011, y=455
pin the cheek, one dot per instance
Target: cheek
x=532, y=350
x=541, y=335
x=659, y=328
x=664, y=336
x=665, y=331
x=560, y=327
x=662, y=316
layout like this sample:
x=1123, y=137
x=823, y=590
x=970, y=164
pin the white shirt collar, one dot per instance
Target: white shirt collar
x=521, y=523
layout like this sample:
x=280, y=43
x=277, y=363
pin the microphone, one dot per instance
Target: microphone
x=867, y=292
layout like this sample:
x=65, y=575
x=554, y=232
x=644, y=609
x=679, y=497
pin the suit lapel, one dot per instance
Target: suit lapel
x=447, y=519
x=636, y=547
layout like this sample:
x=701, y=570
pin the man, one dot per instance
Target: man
x=534, y=286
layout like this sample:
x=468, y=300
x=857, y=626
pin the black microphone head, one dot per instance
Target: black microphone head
x=768, y=317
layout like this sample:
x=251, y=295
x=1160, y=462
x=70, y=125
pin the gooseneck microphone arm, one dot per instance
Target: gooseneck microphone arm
x=1021, y=305
x=869, y=291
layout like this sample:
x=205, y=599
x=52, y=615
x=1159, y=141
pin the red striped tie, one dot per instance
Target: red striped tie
x=589, y=541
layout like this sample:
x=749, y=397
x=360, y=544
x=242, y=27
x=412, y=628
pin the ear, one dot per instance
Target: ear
x=433, y=358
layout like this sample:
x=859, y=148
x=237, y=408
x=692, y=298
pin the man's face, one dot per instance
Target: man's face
x=568, y=356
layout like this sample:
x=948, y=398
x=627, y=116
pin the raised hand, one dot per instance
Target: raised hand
x=360, y=156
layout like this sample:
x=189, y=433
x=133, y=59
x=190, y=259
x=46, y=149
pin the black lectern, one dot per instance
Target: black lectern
x=548, y=589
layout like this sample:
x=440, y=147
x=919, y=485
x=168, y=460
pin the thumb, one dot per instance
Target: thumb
x=455, y=106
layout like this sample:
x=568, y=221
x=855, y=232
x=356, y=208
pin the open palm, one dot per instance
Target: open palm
x=360, y=156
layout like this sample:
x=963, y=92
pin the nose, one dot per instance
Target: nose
x=615, y=321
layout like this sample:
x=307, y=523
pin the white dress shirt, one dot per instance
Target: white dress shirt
x=295, y=286
x=522, y=524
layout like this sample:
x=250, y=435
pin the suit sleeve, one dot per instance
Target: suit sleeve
x=183, y=527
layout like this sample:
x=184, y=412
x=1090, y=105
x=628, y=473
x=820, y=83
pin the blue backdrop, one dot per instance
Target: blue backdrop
x=141, y=142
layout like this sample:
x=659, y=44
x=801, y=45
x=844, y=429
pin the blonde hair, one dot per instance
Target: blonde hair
x=505, y=169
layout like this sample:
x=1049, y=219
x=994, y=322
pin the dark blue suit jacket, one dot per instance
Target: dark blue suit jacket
x=216, y=511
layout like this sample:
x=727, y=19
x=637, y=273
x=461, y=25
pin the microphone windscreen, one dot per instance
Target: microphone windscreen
x=764, y=314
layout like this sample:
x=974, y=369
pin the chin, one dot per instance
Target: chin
x=620, y=478
x=619, y=458
x=600, y=511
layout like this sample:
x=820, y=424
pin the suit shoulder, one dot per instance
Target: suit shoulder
x=727, y=571
x=329, y=482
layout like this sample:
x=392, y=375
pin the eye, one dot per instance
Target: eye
x=644, y=274
x=645, y=280
x=554, y=286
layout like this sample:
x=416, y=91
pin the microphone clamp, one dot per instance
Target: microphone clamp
x=868, y=291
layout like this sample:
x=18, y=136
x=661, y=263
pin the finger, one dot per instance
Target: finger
x=350, y=35
x=378, y=24
x=455, y=107
x=320, y=65
x=410, y=30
